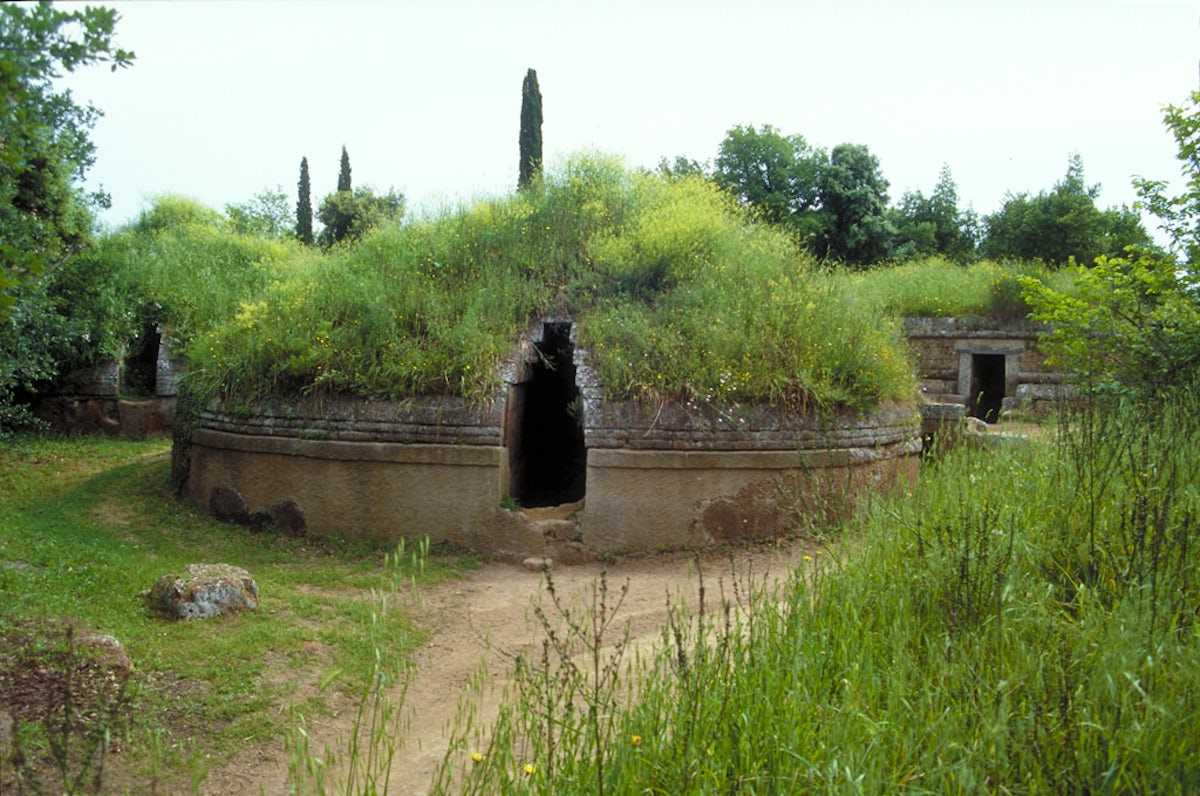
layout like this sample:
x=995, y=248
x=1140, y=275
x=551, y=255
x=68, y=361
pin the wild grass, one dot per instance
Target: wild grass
x=189, y=269
x=935, y=287
x=1023, y=622
x=677, y=294
x=90, y=523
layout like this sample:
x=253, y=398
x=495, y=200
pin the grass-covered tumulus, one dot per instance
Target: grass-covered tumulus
x=676, y=291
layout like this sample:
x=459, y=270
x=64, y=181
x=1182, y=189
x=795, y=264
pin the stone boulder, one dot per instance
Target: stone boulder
x=203, y=591
x=976, y=426
x=106, y=649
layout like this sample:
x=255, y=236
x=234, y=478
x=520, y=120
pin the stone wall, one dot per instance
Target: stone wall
x=88, y=401
x=671, y=475
x=943, y=350
x=658, y=477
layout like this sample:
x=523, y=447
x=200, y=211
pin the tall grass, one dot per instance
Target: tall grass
x=677, y=293
x=1025, y=622
x=191, y=268
x=937, y=287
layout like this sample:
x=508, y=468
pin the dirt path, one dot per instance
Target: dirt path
x=476, y=624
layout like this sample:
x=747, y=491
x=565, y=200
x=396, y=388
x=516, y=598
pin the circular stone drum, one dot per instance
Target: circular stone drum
x=639, y=477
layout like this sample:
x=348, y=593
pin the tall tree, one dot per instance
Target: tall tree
x=853, y=197
x=348, y=215
x=304, y=211
x=343, y=183
x=934, y=224
x=774, y=174
x=1062, y=224
x=45, y=148
x=530, y=142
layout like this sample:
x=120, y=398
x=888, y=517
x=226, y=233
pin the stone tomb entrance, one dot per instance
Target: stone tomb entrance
x=139, y=373
x=547, y=459
x=987, y=386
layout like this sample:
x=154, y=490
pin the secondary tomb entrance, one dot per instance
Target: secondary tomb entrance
x=547, y=456
x=987, y=386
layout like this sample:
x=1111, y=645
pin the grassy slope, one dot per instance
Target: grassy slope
x=88, y=524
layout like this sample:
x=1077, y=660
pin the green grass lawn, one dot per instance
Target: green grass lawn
x=87, y=524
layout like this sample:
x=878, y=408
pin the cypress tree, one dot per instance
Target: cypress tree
x=304, y=212
x=344, y=172
x=531, y=130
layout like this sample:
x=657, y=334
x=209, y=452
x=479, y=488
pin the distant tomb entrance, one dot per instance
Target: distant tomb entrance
x=547, y=457
x=141, y=364
x=987, y=386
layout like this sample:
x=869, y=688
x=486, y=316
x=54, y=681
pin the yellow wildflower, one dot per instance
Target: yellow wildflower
x=477, y=757
x=635, y=740
x=529, y=769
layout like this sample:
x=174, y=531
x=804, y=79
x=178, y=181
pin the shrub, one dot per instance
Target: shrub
x=1132, y=323
x=71, y=316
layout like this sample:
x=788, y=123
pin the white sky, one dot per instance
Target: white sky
x=225, y=97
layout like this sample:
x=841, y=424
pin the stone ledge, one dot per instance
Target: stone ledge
x=746, y=460
x=970, y=326
x=672, y=426
x=450, y=455
x=428, y=420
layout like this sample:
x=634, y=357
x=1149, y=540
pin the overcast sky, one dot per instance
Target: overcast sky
x=224, y=98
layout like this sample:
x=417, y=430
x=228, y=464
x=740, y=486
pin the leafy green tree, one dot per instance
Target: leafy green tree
x=530, y=139
x=343, y=183
x=935, y=224
x=45, y=148
x=853, y=197
x=1131, y=324
x=834, y=203
x=683, y=167
x=776, y=175
x=267, y=214
x=1179, y=216
x=304, y=212
x=348, y=215
x=1062, y=224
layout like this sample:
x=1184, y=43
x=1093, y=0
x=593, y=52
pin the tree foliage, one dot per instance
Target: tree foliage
x=776, y=175
x=1179, y=216
x=934, y=225
x=304, y=212
x=1062, y=224
x=45, y=148
x=343, y=183
x=682, y=166
x=1134, y=323
x=835, y=203
x=530, y=139
x=266, y=214
x=347, y=215
x=853, y=198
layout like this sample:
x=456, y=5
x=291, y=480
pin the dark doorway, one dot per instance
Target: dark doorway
x=141, y=365
x=987, y=386
x=548, y=461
